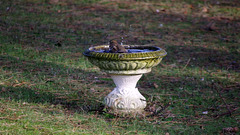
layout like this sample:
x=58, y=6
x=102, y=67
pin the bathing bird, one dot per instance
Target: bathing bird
x=114, y=47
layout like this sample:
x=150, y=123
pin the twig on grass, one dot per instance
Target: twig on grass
x=224, y=101
x=172, y=122
x=186, y=64
x=225, y=113
x=16, y=118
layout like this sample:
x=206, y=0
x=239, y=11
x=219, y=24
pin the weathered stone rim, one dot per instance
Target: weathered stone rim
x=156, y=53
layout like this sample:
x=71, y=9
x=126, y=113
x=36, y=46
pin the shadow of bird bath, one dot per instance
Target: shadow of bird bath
x=125, y=68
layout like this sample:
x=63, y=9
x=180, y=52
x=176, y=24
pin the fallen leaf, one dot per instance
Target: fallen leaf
x=53, y=1
x=3, y=89
x=19, y=84
x=205, y=9
x=230, y=129
x=155, y=85
x=211, y=26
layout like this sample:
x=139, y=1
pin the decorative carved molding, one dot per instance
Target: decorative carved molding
x=125, y=63
x=125, y=97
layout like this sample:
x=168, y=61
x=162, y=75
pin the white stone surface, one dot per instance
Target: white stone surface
x=125, y=97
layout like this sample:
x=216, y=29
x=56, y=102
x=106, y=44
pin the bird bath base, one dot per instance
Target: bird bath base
x=126, y=98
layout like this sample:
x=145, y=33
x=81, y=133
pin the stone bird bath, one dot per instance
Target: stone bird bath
x=125, y=69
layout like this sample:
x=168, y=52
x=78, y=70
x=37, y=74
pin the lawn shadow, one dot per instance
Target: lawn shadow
x=189, y=93
x=52, y=83
x=24, y=94
x=97, y=24
x=202, y=57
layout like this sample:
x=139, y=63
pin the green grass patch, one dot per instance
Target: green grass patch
x=47, y=86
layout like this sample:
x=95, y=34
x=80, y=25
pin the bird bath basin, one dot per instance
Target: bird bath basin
x=125, y=69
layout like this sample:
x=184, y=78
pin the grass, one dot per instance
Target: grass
x=48, y=87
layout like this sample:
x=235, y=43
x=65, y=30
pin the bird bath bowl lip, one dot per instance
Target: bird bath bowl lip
x=125, y=63
x=154, y=52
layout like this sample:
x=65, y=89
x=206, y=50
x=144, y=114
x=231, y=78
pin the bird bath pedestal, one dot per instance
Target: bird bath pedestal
x=126, y=69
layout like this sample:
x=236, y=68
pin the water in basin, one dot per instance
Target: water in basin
x=129, y=50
